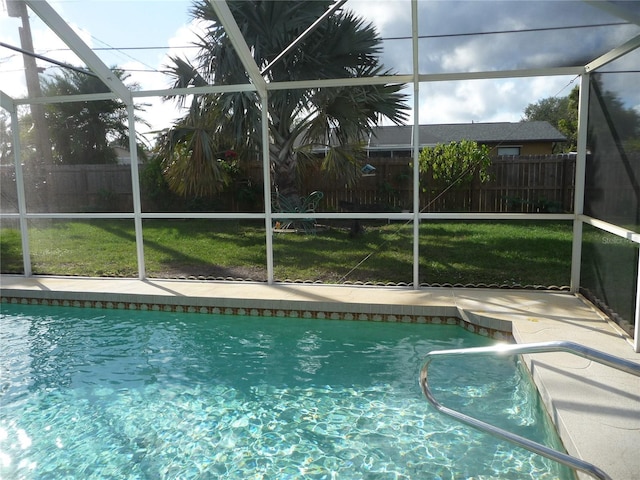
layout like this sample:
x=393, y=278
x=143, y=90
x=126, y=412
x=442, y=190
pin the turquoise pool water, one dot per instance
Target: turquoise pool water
x=93, y=394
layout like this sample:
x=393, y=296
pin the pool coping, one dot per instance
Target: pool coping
x=282, y=300
x=581, y=397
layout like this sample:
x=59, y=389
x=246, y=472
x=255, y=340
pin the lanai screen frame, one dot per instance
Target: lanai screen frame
x=258, y=84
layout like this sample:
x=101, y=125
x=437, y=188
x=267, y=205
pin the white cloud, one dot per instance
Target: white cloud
x=446, y=102
x=495, y=100
x=391, y=17
x=185, y=35
x=161, y=114
x=501, y=100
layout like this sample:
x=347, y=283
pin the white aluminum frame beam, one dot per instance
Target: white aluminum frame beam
x=242, y=49
x=614, y=54
x=241, y=87
x=346, y=82
x=7, y=102
x=135, y=187
x=304, y=34
x=431, y=77
x=20, y=192
x=324, y=83
x=51, y=18
x=239, y=43
x=488, y=75
x=266, y=182
x=88, y=97
x=636, y=331
x=580, y=176
x=415, y=140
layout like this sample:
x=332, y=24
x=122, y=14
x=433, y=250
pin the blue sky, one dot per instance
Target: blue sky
x=164, y=24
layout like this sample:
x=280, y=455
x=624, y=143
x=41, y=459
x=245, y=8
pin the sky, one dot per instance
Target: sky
x=159, y=28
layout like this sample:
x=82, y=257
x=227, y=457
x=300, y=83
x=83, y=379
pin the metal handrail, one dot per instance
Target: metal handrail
x=545, y=347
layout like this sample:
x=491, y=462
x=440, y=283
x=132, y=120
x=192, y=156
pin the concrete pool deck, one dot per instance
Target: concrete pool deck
x=596, y=409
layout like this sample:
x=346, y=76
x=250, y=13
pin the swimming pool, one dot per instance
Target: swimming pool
x=90, y=393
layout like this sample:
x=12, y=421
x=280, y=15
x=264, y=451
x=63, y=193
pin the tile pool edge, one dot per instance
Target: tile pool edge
x=290, y=308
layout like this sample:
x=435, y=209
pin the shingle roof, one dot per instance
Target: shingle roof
x=399, y=137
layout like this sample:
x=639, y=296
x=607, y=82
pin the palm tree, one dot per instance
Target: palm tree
x=342, y=46
x=85, y=132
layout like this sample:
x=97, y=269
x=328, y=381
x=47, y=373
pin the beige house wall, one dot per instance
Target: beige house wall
x=531, y=148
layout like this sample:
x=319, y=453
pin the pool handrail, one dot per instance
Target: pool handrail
x=530, y=348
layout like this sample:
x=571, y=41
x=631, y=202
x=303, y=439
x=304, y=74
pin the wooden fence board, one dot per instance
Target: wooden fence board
x=518, y=184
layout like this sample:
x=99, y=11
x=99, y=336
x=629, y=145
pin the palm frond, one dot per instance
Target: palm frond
x=343, y=162
x=342, y=46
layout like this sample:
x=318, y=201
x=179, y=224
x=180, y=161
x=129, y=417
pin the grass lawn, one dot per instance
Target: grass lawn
x=497, y=253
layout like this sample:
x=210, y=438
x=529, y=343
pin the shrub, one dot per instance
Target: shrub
x=456, y=163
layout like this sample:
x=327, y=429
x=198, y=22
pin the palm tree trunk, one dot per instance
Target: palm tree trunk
x=284, y=165
x=285, y=179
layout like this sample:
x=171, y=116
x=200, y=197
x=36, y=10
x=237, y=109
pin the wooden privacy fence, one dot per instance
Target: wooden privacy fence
x=529, y=184
x=69, y=188
x=542, y=183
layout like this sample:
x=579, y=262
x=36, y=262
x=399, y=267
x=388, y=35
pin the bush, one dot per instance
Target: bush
x=456, y=163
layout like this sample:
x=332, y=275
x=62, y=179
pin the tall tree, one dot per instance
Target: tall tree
x=622, y=123
x=85, y=132
x=568, y=124
x=561, y=112
x=342, y=46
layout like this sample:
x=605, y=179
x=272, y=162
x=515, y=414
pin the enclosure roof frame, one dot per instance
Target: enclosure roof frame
x=239, y=43
x=51, y=18
x=7, y=102
x=258, y=83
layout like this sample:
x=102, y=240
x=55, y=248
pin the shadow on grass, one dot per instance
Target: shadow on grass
x=484, y=253
x=11, y=252
x=511, y=253
x=166, y=245
x=332, y=256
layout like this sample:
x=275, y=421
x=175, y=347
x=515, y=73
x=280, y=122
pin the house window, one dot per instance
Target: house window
x=508, y=150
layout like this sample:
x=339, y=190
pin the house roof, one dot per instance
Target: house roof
x=399, y=137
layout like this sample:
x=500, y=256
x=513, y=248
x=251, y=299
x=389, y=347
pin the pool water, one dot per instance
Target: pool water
x=90, y=394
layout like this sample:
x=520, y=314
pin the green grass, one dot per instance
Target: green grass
x=502, y=253
x=10, y=250
x=498, y=253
